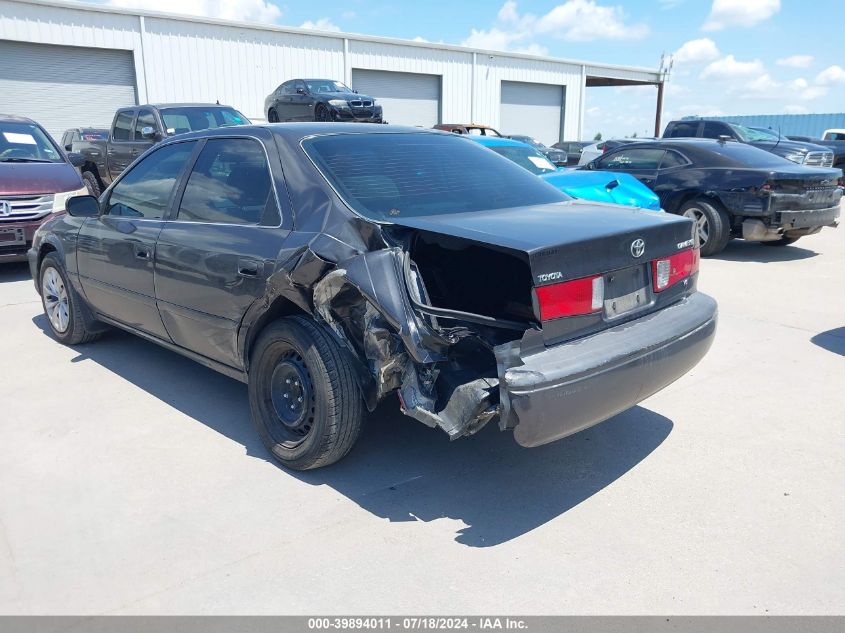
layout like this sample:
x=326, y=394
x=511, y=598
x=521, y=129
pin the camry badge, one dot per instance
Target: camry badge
x=638, y=247
x=5, y=208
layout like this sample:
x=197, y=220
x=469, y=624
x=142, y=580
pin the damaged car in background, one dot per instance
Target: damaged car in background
x=321, y=266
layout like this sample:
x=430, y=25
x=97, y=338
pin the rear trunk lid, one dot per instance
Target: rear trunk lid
x=568, y=240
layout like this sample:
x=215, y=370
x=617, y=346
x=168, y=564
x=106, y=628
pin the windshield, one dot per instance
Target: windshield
x=316, y=86
x=750, y=134
x=27, y=143
x=386, y=176
x=191, y=119
x=527, y=158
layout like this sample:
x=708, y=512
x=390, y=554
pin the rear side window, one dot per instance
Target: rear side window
x=230, y=183
x=123, y=127
x=385, y=176
x=627, y=159
x=145, y=190
x=672, y=159
x=684, y=129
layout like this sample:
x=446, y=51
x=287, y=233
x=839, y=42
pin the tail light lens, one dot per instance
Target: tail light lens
x=571, y=298
x=669, y=271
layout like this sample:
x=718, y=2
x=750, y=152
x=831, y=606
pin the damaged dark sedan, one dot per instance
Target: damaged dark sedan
x=330, y=266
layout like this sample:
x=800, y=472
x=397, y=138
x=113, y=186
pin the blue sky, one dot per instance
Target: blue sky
x=731, y=56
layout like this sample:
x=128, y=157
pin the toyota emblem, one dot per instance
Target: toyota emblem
x=5, y=208
x=638, y=247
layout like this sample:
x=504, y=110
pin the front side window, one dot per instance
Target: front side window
x=384, y=176
x=527, y=158
x=629, y=159
x=715, y=130
x=230, y=183
x=145, y=119
x=123, y=126
x=26, y=143
x=145, y=190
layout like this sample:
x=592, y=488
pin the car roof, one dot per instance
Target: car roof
x=294, y=132
x=12, y=118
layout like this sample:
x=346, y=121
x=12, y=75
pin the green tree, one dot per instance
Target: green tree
x=597, y=137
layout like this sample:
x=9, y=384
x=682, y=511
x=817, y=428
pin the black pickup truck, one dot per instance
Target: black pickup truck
x=800, y=152
x=834, y=140
x=137, y=128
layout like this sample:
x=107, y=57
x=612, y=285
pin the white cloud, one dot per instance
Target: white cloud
x=729, y=68
x=573, y=20
x=831, y=75
x=726, y=13
x=418, y=38
x=801, y=89
x=796, y=61
x=796, y=109
x=241, y=10
x=323, y=24
x=585, y=20
x=697, y=51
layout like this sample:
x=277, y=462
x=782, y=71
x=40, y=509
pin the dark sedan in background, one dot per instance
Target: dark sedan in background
x=455, y=280
x=320, y=100
x=732, y=189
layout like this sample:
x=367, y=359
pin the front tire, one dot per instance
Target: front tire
x=62, y=305
x=712, y=225
x=322, y=113
x=91, y=183
x=272, y=116
x=303, y=397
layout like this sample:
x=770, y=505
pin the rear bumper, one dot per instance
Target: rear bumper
x=808, y=218
x=570, y=387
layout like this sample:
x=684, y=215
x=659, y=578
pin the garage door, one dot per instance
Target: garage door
x=407, y=98
x=65, y=86
x=532, y=109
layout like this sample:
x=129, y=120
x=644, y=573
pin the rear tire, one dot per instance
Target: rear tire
x=784, y=241
x=91, y=183
x=62, y=306
x=303, y=397
x=713, y=225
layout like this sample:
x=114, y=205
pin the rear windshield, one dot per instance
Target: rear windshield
x=26, y=143
x=384, y=176
x=182, y=120
x=748, y=155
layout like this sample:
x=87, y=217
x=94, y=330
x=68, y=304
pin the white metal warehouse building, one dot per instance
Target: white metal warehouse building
x=67, y=64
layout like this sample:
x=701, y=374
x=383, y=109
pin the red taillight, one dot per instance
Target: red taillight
x=670, y=270
x=571, y=298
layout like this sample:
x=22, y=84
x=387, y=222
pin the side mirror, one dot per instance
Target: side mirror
x=76, y=159
x=83, y=207
x=149, y=133
x=68, y=147
x=300, y=91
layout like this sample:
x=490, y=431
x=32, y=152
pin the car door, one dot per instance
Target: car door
x=641, y=163
x=303, y=102
x=672, y=179
x=219, y=246
x=116, y=251
x=120, y=144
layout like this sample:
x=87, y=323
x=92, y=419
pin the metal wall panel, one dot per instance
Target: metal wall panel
x=812, y=125
x=406, y=98
x=65, y=86
x=532, y=109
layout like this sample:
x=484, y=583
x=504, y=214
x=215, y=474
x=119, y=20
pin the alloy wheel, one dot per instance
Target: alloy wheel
x=55, y=299
x=702, y=226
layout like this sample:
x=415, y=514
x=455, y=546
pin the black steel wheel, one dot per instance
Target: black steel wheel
x=304, y=400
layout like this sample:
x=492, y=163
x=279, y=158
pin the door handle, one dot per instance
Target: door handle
x=249, y=268
x=142, y=252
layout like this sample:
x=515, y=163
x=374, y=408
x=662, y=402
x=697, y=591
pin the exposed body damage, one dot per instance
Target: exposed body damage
x=457, y=280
